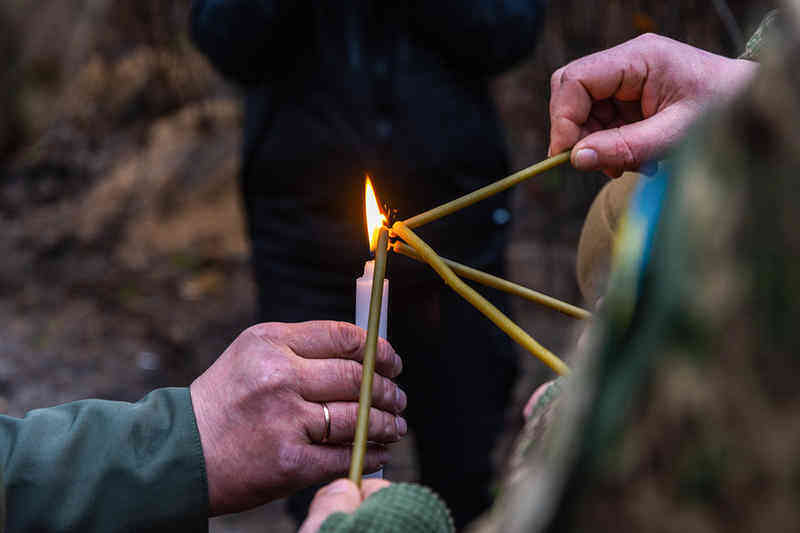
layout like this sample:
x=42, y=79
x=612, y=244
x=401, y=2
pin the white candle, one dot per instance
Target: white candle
x=363, y=293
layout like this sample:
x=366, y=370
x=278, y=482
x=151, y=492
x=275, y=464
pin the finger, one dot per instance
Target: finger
x=629, y=146
x=325, y=339
x=371, y=486
x=336, y=380
x=538, y=393
x=383, y=427
x=340, y=496
x=570, y=106
x=611, y=73
x=322, y=463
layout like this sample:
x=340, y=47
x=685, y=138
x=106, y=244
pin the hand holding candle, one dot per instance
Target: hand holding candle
x=378, y=235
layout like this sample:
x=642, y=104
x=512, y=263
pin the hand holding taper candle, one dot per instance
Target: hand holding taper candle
x=378, y=235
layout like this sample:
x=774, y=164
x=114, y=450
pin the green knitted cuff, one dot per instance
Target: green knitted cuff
x=399, y=508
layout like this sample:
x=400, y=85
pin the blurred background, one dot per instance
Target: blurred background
x=124, y=257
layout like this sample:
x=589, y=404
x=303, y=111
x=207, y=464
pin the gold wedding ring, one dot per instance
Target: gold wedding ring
x=326, y=412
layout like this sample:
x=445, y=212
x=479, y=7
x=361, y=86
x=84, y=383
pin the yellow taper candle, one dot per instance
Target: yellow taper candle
x=485, y=192
x=479, y=302
x=370, y=348
x=500, y=284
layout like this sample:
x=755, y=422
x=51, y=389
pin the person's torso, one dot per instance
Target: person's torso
x=367, y=95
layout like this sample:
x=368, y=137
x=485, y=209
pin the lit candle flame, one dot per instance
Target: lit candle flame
x=375, y=219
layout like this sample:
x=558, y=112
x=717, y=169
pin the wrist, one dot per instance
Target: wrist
x=209, y=444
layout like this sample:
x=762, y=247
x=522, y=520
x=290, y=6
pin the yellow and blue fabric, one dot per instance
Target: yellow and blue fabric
x=634, y=244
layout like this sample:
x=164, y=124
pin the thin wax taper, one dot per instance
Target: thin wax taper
x=485, y=192
x=370, y=348
x=500, y=284
x=479, y=302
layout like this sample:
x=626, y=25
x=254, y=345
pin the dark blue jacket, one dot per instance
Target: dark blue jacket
x=335, y=90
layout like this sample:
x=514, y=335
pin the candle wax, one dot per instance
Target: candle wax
x=363, y=292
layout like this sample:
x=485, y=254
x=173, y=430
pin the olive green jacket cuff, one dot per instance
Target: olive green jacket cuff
x=97, y=465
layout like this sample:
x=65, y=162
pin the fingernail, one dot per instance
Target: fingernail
x=585, y=158
x=402, y=426
x=401, y=399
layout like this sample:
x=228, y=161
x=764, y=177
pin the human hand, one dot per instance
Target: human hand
x=260, y=418
x=341, y=496
x=622, y=107
x=527, y=411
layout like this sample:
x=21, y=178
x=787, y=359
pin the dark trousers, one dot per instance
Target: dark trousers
x=459, y=370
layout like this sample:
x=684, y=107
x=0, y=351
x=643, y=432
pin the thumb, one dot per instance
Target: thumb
x=341, y=495
x=630, y=146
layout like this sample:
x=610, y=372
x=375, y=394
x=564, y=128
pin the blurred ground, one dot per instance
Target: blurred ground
x=124, y=257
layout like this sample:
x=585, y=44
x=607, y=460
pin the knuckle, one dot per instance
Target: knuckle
x=652, y=41
x=272, y=331
x=276, y=382
x=335, y=463
x=624, y=151
x=349, y=420
x=345, y=337
x=288, y=462
x=648, y=37
x=277, y=378
x=350, y=374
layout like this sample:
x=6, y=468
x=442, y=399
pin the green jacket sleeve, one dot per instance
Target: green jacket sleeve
x=399, y=508
x=98, y=465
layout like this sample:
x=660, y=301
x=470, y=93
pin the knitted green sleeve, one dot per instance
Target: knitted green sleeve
x=399, y=508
